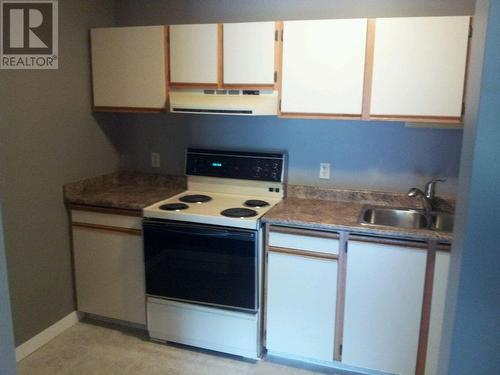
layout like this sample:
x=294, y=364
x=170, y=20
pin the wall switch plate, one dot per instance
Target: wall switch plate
x=324, y=171
x=155, y=159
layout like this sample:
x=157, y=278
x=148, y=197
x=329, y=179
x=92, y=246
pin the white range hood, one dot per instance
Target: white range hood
x=226, y=102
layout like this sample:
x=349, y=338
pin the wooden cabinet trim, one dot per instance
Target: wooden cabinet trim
x=369, y=54
x=265, y=282
x=389, y=241
x=278, y=46
x=321, y=116
x=279, y=61
x=246, y=86
x=107, y=228
x=425, y=319
x=413, y=118
x=303, y=232
x=129, y=109
x=106, y=210
x=166, y=33
x=189, y=85
x=340, y=308
x=220, y=55
x=302, y=253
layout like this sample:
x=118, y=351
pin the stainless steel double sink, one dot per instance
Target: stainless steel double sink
x=406, y=218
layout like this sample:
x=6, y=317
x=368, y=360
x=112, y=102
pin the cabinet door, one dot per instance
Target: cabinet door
x=323, y=66
x=383, y=304
x=109, y=272
x=439, y=288
x=419, y=66
x=301, y=301
x=129, y=67
x=249, y=53
x=194, y=54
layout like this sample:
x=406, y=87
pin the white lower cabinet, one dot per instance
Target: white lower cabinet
x=109, y=268
x=439, y=287
x=383, y=305
x=301, y=305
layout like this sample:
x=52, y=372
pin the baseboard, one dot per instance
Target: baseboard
x=33, y=344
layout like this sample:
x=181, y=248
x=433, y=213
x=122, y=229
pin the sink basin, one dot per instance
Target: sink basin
x=405, y=218
x=393, y=217
x=442, y=222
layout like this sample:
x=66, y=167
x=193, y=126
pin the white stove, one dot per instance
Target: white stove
x=203, y=252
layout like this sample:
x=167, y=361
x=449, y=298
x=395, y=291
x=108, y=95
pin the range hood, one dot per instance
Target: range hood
x=225, y=102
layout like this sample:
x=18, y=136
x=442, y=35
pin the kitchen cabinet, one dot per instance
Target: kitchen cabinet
x=249, y=54
x=383, y=304
x=194, y=55
x=109, y=265
x=302, y=272
x=129, y=66
x=419, y=68
x=439, y=287
x=323, y=68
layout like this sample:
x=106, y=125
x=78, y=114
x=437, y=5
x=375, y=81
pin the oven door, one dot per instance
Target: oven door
x=201, y=264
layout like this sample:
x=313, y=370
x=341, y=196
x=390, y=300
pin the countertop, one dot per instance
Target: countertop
x=332, y=215
x=123, y=190
x=305, y=206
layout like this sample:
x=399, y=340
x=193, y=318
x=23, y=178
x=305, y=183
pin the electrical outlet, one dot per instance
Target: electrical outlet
x=155, y=159
x=324, y=171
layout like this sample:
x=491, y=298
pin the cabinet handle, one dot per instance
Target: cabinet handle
x=303, y=253
x=304, y=232
x=107, y=228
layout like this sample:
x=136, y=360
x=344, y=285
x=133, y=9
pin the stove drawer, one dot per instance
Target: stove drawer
x=305, y=240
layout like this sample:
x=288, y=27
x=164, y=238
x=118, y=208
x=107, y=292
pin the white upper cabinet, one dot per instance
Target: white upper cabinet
x=194, y=54
x=383, y=305
x=249, y=53
x=129, y=67
x=419, y=66
x=323, y=66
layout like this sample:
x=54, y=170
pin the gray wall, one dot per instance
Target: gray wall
x=7, y=353
x=471, y=340
x=371, y=155
x=378, y=156
x=48, y=136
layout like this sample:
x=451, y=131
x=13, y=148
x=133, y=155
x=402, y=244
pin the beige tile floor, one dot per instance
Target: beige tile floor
x=91, y=348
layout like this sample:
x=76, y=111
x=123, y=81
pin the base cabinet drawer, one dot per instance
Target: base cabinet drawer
x=301, y=302
x=109, y=273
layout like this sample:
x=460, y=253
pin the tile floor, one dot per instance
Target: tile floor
x=94, y=348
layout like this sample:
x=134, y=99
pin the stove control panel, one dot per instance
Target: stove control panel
x=236, y=164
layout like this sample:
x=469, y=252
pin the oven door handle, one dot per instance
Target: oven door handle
x=214, y=233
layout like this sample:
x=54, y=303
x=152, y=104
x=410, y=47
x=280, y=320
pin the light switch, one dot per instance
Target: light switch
x=324, y=171
x=155, y=159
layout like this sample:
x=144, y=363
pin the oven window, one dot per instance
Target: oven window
x=201, y=263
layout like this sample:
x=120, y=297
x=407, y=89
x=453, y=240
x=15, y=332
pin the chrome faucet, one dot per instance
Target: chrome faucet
x=428, y=196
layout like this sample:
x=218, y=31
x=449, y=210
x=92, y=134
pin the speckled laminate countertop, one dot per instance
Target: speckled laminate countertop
x=123, y=190
x=305, y=206
x=333, y=210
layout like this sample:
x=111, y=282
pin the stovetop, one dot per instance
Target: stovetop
x=246, y=209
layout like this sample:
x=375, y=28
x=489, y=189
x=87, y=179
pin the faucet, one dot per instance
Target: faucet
x=428, y=196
